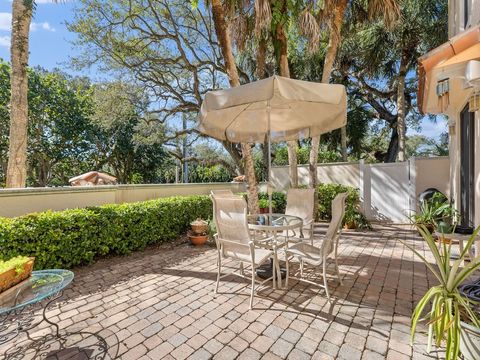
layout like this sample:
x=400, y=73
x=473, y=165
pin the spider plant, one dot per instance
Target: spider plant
x=447, y=304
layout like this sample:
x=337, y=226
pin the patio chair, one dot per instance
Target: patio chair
x=300, y=203
x=234, y=240
x=318, y=255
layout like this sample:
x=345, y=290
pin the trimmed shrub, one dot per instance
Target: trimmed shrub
x=278, y=198
x=68, y=238
x=326, y=194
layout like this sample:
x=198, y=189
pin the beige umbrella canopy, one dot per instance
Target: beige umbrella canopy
x=93, y=178
x=282, y=108
x=273, y=109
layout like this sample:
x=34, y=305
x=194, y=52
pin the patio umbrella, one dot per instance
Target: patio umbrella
x=272, y=110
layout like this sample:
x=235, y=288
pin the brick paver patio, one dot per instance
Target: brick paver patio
x=159, y=303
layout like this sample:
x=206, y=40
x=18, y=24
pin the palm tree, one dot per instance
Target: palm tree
x=333, y=14
x=17, y=150
x=257, y=23
x=22, y=11
x=393, y=54
x=223, y=36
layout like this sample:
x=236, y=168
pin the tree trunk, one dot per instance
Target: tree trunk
x=223, y=37
x=332, y=48
x=281, y=39
x=17, y=150
x=401, y=124
x=236, y=156
x=392, y=146
x=261, y=59
x=343, y=143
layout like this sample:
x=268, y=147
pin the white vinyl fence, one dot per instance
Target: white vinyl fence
x=388, y=192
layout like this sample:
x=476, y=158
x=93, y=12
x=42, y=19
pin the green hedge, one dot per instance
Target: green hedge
x=64, y=239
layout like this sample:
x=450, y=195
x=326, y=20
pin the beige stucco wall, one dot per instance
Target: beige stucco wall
x=458, y=98
x=16, y=202
x=432, y=173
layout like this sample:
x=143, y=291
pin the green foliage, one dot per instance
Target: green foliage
x=206, y=174
x=16, y=263
x=279, y=200
x=303, y=152
x=264, y=204
x=326, y=194
x=74, y=237
x=448, y=305
x=437, y=212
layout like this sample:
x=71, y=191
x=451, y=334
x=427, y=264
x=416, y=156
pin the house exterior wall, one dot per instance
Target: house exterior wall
x=462, y=14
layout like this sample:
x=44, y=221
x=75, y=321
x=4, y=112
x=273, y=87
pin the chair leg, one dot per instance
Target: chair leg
x=253, y=286
x=301, y=267
x=219, y=263
x=277, y=269
x=287, y=267
x=338, y=272
x=241, y=269
x=325, y=283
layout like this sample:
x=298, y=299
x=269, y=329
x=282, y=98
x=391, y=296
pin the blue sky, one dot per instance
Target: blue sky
x=51, y=45
x=50, y=41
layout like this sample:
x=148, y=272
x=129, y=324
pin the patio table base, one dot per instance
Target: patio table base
x=266, y=271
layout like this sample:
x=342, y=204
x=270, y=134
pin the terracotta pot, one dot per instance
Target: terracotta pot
x=10, y=277
x=263, y=210
x=199, y=229
x=349, y=225
x=198, y=239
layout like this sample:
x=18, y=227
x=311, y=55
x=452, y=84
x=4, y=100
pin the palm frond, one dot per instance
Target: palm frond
x=310, y=29
x=388, y=10
x=263, y=15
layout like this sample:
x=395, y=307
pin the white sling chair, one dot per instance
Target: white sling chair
x=300, y=203
x=234, y=240
x=222, y=193
x=318, y=256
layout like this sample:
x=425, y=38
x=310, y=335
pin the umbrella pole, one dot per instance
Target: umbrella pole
x=269, y=137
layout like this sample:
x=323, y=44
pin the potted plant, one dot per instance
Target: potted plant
x=445, y=218
x=199, y=232
x=263, y=204
x=350, y=218
x=14, y=271
x=449, y=308
x=425, y=217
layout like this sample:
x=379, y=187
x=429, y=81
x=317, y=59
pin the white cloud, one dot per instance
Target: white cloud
x=5, y=41
x=5, y=21
x=43, y=26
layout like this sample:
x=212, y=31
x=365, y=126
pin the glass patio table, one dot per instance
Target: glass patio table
x=274, y=224
x=17, y=304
